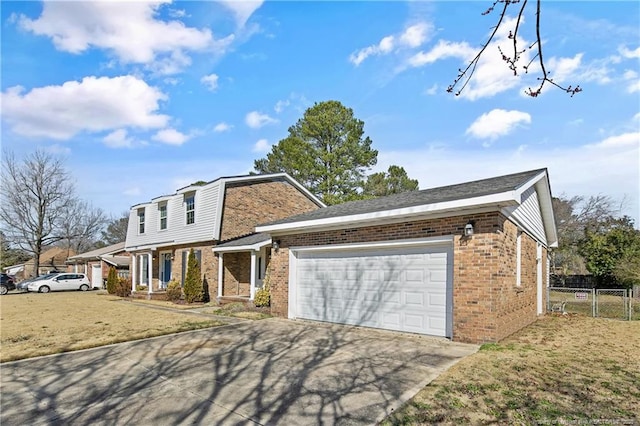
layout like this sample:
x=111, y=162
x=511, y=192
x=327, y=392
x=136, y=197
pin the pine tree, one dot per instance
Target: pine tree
x=193, y=281
x=112, y=280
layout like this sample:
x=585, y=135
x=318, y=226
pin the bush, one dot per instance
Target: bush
x=112, y=280
x=141, y=288
x=263, y=295
x=174, y=291
x=123, y=288
x=193, y=282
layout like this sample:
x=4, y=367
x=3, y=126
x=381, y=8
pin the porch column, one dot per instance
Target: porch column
x=150, y=272
x=220, y=273
x=252, y=288
x=134, y=261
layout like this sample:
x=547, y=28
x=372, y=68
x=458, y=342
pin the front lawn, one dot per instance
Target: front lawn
x=36, y=324
x=563, y=369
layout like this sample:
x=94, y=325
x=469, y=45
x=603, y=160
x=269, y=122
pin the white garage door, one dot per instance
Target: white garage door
x=404, y=289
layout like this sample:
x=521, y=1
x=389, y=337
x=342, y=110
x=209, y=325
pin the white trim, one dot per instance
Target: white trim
x=379, y=244
x=531, y=182
x=134, y=263
x=252, y=247
x=252, y=283
x=502, y=199
x=539, y=279
x=220, y=273
x=519, y=258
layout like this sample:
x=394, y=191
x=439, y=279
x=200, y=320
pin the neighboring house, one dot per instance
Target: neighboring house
x=467, y=261
x=216, y=220
x=96, y=263
x=52, y=259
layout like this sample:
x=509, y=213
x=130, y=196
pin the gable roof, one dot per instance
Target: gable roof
x=52, y=256
x=94, y=254
x=497, y=193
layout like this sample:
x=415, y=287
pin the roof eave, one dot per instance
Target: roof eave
x=497, y=200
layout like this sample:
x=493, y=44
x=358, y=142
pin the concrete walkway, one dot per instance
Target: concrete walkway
x=259, y=372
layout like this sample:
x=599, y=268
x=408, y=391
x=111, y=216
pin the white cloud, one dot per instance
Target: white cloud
x=623, y=140
x=141, y=38
x=58, y=149
x=132, y=192
x=629, y=54
x=261, y=146
x=412, y=37
x=634, y=87
x=91, y=105
x=171, y=136
x=281, y=105
x=574, y=177
x=222, y=127
x=210, y=81
x=242, y=10
x=255, y=120
x=442, y=50
x=432, y=90
x=118, y=139
x=496, y=123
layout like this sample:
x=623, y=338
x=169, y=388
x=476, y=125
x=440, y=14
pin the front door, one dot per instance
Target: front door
x=165, y=271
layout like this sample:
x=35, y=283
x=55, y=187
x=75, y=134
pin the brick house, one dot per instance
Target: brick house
x=52, y=259
x=217, y=220
x=96, y=263
x=467, y=261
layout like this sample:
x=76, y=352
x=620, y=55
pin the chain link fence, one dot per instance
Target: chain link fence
x=604, y=303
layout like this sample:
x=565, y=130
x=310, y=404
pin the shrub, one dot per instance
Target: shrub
x=112, y=280
x=174, y=291
x=123, y=288
x=193, y=282
x=263, y=295
x=141, y=288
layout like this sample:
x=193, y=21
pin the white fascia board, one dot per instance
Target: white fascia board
x=151, y=246
x=546, y=209
x=217, y=226
x=533, y=181
x=412, y=242
x=499, y=200
x=252, y=247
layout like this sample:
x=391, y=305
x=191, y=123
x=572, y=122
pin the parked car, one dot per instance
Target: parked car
x=59, y=282
x=24, y=285
x=7, y=283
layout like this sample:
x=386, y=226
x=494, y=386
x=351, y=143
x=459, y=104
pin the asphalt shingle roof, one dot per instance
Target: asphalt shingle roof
x=460, y=191
x=247, y=240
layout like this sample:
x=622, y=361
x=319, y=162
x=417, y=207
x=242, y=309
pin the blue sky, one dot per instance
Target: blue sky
x=145, y=97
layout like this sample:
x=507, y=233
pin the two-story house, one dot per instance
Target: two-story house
x=217, y=220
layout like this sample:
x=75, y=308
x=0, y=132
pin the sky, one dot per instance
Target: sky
x=143, y=98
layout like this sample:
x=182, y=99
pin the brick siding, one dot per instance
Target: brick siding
x=487, y=304
x=248, y=205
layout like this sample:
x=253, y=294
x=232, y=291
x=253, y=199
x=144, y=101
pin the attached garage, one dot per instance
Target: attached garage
x=405, y=287
x=465, y=261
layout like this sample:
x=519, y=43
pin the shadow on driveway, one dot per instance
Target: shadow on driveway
x=264, y=372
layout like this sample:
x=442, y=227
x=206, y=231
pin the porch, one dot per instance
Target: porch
x=242, y=264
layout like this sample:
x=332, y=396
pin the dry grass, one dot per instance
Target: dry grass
x=36, y=324
x=561, y=370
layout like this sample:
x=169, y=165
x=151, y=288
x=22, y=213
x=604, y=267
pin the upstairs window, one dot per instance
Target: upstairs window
x=190, y=203
x=141, y=221
x=162, y=212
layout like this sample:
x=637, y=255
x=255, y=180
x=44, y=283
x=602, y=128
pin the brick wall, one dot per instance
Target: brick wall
x=249, y=204
x=237, y=274
x=487, y=305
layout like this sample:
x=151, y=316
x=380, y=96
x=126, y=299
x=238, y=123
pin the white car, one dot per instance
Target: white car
x=62, y=281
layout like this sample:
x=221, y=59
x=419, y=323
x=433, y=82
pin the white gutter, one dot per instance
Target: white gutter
x=502, y=199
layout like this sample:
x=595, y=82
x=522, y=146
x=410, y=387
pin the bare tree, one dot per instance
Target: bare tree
x=80, y=225
x=116, y=231
x=513, y=58
x=35, y=194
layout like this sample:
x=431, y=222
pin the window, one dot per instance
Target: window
x=162, y=210
x=519, y=259
x=190, y=202
x=141, y=221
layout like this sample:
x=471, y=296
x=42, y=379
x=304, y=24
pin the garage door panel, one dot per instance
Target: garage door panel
x=401, y=289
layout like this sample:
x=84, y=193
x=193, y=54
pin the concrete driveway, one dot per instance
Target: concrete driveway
x=263, y=372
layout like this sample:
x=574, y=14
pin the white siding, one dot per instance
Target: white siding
x=177, y=232
x=529, y=216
